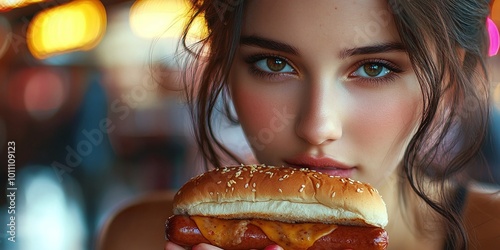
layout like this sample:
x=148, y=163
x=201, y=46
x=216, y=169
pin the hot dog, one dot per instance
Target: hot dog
x=253, y=206
x=183, y=231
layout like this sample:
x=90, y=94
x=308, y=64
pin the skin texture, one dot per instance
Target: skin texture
x=317, y=106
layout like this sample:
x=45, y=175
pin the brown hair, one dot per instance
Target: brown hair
x=446, y=43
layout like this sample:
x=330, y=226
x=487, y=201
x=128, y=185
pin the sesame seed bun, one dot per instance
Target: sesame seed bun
x=281, y=194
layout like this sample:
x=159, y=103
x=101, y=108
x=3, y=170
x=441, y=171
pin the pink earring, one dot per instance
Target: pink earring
x=494, y=37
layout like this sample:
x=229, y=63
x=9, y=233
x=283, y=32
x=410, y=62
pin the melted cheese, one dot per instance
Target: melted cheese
x=221, y=232
x=289, y=236
x=294, y=236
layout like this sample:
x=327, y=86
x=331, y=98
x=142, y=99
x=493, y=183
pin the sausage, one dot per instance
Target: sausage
x=183, y=231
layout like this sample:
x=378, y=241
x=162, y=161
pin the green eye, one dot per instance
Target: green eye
x=373, y=69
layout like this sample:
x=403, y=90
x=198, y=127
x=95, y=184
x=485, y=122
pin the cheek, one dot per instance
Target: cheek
x=384, y=126
x=264, y=111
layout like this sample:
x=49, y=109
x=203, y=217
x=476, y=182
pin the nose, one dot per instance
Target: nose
x=320, y=117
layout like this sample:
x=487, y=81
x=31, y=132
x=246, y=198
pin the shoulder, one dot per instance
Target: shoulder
x=139, y=224
x=482, y=216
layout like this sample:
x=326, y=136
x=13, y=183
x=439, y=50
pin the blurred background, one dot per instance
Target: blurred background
x=89, y=96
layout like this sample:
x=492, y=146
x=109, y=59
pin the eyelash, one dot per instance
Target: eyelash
x=393, y=74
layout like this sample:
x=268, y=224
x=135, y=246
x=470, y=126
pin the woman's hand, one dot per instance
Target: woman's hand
x=172, y=246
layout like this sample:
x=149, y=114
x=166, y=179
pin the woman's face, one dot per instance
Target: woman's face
x=325, y=85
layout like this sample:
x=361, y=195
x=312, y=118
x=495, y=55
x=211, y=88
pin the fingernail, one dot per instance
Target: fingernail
x=273, y=247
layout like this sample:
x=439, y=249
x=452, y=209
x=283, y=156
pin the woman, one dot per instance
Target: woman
x=393, y=93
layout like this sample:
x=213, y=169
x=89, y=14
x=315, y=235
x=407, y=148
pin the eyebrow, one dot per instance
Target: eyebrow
x=266, y=43
x=374, y=49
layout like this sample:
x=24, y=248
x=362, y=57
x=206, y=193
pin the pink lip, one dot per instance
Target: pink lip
x=324, y=165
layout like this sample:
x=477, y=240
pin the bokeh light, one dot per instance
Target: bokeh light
x=49, y=212
x=11, y=4
x=496, y=96
x=495, y=12
x=79, y=25
x=161, y=18
x=44, y=94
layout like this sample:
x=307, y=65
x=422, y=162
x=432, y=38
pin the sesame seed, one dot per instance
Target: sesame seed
x=359, y=190
x=230, y=183
x=237, y=174
x=219, y=182
x=246, y=185
x=253, y=190
x=333, y=194
x=279, y=189
x=302, y=188
x=317, y=185
x=211, y=193
x=253, y=185
x=342, y=180
x=270, y=174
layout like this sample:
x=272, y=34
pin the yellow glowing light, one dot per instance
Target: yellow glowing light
x=79, y=25
x=162, y=18
x=11, y=4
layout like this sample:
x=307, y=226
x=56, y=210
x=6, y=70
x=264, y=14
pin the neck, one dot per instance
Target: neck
x=406, y=220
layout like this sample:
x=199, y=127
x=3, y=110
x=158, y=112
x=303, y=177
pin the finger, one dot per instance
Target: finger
x=204, y=246
x=172, y=246
x=273, y=247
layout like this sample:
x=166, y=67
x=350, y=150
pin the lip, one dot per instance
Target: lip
x=323, y=164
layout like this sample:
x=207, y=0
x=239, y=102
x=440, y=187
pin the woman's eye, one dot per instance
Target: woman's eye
x=372, y=70
x=274, y=65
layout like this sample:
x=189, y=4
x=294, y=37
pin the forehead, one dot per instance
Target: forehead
x=333, y=22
